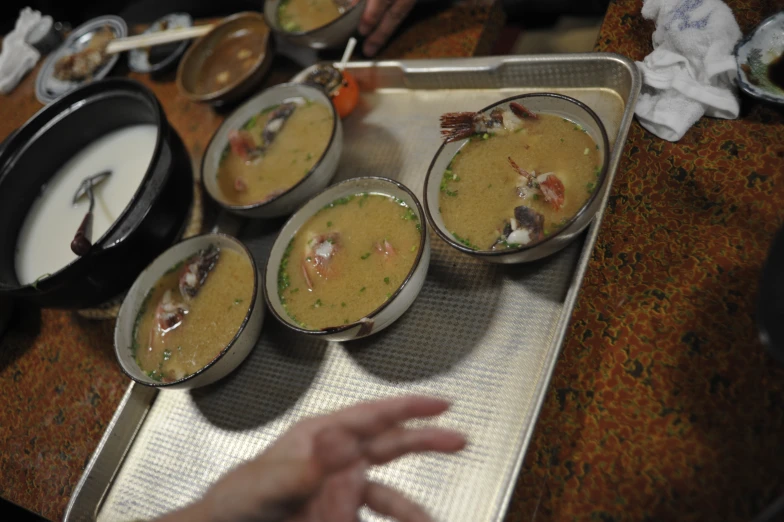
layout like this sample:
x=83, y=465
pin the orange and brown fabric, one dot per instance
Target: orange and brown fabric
x=664, y=405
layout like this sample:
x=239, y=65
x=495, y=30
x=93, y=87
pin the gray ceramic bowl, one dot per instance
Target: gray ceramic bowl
x=318, y=177
x=549, y=103
x=334, y=34
x=396, y=305
x=754, y=53
x=139, y=59
x=230, y=357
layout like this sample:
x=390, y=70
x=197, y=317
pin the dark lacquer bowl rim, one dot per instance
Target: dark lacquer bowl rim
x=60, y=109
x=331, y=330
x=595, y=194
x=226, y=349
x=311, y=172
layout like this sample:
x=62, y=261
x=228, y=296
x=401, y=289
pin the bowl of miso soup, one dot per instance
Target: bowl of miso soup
x=318, y=24
x=519, y=179
x=192, y=316
x=350, y=262
x=274, y=152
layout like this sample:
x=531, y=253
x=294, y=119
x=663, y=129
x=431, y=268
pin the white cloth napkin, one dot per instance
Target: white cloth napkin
x=691, y=71
x=17, y=56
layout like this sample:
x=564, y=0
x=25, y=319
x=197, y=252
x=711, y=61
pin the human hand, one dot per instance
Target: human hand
x=315, y=472
x=379, y=21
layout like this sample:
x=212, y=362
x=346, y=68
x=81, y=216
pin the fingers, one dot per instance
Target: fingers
x=400, y=441
x=397, y=11
x=386, y=501
x=374, y=10
x=371, y=418
x=340, y=496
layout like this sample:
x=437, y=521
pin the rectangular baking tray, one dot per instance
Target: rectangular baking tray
x=486, y=337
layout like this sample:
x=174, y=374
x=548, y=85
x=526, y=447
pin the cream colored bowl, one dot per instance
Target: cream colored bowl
x=396, y=305
x=333, y=34
x=315, y=180
x=548, y=103
x=230, y=357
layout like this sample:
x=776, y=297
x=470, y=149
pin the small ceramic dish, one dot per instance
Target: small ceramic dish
x=760, y=62
x=397, y=303
x=333, y=34
x=549, y=103
x=227, y=63
x=155, y=60
x=315, y=180
x=47, y=87
x=230, y=357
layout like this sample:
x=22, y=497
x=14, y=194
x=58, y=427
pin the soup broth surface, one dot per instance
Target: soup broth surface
x=213, y=318
x=347, y=260
x=479, y=190
x=297, y=16
x=231, y=60
x=295, y=150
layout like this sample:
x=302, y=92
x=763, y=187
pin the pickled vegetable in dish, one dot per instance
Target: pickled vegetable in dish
x=297, y=16
x=348, y=259
x=274, y=150
x=192, y=313
x=520, y=177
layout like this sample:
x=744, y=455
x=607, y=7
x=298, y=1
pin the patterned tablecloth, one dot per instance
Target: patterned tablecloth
x=663, y=405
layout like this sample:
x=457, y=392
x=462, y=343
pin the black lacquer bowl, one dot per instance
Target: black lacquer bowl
x=150, y=223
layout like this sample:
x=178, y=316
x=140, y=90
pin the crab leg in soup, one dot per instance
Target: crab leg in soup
x=192, y=313
x=274, y=150
x=519, y=177
x=348, y=260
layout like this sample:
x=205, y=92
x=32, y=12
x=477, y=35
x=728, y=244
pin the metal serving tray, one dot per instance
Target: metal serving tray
x=487, y=337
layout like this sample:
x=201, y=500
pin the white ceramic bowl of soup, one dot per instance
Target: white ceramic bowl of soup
x=230, y=356
x=400, y=297
x=317, y=177
x=332, y=34
x=565, y=107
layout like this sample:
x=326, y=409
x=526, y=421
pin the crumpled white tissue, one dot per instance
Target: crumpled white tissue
x=17, y=56
x=691, y=71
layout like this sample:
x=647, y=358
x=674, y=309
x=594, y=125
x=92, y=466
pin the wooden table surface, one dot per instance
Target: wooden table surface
x=663, y=405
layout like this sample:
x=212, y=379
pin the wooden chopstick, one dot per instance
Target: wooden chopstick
x=163, y=37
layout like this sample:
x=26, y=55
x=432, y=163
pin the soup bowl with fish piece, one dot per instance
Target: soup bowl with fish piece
x=274, y=152
x=350, y=262
x=192, y=316
x=324, y=35
x=483, y=195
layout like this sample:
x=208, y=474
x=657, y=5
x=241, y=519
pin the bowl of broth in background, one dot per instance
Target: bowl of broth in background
x=114, y=125
x=192, y=316
x=525, y=185
x=318, y=24
x=227, y=63
x=350, y=262
x=274, y=152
